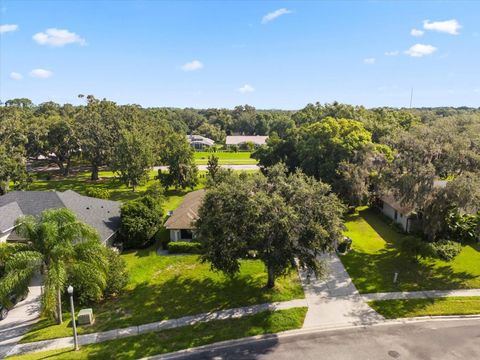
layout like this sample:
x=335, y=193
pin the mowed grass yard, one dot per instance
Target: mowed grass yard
x=224, y=157
x=392, y=309
x=161, y=342
x=80, y=182
x=375, y=257
x=168, y=287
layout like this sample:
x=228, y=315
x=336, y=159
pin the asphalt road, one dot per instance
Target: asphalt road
x=452, y=339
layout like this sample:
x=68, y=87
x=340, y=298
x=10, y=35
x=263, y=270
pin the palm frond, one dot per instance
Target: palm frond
x=22, y=260
x=15, y=281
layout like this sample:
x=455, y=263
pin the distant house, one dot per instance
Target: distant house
x=405, y=215
x=102, y=215
x=240, y=140
x=199, y=142
x=181, y=222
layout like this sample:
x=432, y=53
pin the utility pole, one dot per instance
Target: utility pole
x=411, y=98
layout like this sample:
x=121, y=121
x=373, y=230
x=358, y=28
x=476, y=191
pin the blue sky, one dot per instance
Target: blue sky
x=221, y=54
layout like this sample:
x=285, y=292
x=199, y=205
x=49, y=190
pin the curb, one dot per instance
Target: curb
x=307, y=331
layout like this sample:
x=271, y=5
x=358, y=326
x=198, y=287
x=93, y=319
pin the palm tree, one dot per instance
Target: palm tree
x=57, y=245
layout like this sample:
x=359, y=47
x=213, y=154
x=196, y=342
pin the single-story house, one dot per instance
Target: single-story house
x=240, y=140
x=181, y=222
x=199, y=142
x=405, y=215
x=102, y=215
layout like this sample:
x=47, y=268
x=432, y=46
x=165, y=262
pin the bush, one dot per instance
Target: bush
x=98, y=193
x=141, y=220
x=155, y=190
x=117, y=275
x=179, y=247
x=446, y=249
x=162, y=238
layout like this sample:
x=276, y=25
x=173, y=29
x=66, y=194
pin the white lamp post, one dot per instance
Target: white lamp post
x=75, y=337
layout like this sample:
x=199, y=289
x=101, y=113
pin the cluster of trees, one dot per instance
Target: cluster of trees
x=128, y=139
x=363, y=153
x=65, y=251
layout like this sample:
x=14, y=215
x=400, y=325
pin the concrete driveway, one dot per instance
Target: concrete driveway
x=20, y=318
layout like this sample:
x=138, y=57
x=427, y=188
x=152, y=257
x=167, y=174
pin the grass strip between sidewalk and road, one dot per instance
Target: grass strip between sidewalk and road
x=161, y=342
x=400, y=308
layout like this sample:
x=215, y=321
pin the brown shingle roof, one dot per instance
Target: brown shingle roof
x=186, y=214
x=395, y=204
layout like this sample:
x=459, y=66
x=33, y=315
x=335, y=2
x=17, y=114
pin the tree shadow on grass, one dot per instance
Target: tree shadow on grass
x=178, y=297
x=374, y=272
x=392, y=309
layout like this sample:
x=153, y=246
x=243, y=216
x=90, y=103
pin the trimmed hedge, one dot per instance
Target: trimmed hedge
x=179, y=247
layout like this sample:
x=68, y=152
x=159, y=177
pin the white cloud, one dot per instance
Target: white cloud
x=416, y=32
x=192, y=66
x=449, y=26
x=41, y=73
x=8, y=28
x=275, y=14
x=16, y=76
x=419, y=50
x=369, y=61
x=392, y=53
x=58, y=37
x=245, y=89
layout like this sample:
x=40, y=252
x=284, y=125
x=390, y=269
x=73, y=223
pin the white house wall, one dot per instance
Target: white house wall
x=390, y=212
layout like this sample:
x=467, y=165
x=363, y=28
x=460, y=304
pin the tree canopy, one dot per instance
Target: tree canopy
x=279, y=217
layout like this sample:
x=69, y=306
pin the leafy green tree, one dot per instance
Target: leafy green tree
x=141, y=220
x=58, y=245
x=362, y=178
x=213, y=167
x=178, y=155
x=98, y=126
x=279, y=217
x=133, y=157
x=12, y=148
x=211, y=131
x=61, y=142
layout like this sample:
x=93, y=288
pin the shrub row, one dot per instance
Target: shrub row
x=179, y=247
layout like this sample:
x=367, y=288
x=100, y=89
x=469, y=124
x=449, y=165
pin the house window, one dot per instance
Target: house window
x=186, y=234
x=396, y=215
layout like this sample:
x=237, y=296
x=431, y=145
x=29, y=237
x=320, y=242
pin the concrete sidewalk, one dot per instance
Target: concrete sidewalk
x=20, y=318
x=429, y=294
x=66, y=342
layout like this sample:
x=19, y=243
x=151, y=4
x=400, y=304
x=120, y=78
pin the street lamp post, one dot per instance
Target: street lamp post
x=75, y=336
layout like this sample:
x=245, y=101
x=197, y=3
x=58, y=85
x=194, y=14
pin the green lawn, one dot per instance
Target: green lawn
x=168, y=287
x=375, y=257
x=79, y=182
x=392, y=309
x=232, y=158
x=165, y=341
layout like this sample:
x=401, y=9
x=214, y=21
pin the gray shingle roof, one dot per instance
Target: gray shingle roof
x=103, y=215
x=8, y=214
